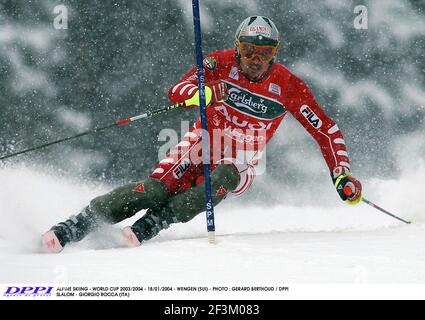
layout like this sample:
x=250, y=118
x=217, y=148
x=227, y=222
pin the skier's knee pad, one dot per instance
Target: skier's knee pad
x=188, y=204
x=155, y=190
x=125, y=201
x=184, y=206
x=225, y=175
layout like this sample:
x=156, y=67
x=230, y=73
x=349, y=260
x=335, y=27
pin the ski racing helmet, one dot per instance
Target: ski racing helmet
x=256, y=36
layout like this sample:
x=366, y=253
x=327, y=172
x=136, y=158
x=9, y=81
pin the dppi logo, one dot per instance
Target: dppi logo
x=28, y=291
x=311, y=116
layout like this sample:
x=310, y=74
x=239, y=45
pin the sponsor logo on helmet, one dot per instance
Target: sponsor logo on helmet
x=260, y=30
x=210, y=63
x=180, y=170
x=312, y=118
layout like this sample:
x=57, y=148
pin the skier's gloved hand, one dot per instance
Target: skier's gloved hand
x=348, y=188
x=219, y=90
x=214, y=91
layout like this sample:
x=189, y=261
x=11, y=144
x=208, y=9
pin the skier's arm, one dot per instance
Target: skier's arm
x=323, y=129
x=187, y=86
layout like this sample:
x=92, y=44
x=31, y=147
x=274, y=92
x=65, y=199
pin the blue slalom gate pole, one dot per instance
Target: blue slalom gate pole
x=209, y=207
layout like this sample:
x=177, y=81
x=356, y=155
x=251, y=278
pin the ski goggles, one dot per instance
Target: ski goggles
x=249, y=51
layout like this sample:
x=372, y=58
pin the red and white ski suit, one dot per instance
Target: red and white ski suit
x=248, y=118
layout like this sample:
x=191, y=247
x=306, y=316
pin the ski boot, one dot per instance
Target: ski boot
x=72, y=230
x=182, y=207
x=149, y=226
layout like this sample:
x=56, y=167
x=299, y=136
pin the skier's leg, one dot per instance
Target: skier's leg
x=184, y=206
x=113, y=207
x=172, y=174
x=125, y=201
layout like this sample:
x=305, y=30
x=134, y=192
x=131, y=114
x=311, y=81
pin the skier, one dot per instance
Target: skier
x=248, y=95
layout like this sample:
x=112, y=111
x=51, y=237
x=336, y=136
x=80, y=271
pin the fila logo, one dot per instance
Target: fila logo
x=181, y=168
x=234, y=73
x=311, y=116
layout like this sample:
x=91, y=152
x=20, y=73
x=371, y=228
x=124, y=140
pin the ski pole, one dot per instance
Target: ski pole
x=384, y=211
x=191, y=101
x=347, y=192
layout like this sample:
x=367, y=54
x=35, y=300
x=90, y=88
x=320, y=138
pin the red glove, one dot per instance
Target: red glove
x=349, y=189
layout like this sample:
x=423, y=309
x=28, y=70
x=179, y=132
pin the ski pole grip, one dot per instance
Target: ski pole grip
x=123, y=121
x=347, y=191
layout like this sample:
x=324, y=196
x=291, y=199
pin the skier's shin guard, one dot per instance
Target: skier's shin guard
x=125, y=201
x=184, y=206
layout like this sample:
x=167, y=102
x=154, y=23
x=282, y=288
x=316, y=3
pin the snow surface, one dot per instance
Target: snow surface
x=279, y=244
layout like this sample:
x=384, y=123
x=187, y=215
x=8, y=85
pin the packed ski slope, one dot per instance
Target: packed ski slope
x=281, y=244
